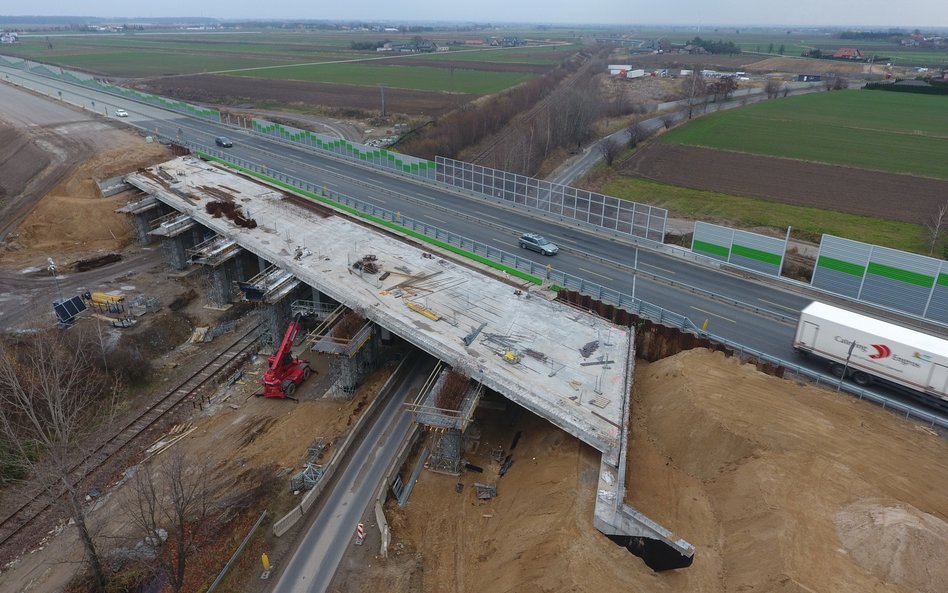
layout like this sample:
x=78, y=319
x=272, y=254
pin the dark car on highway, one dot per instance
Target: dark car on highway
x=538, y=243
x=223, y=141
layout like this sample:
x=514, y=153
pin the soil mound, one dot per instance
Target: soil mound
x=768, y=477
x=20, y=160
x=897, y=543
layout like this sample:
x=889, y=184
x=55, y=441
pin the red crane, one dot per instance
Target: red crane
x=286, y=371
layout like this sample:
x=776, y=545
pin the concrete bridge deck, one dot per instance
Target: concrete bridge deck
x=562, y=364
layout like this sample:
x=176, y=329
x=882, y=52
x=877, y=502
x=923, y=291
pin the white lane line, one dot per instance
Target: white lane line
x=435, y=218
x=778, y=305
x=714, y=315
x=595, y=274
x=666, y=270
x=502, y=242
x=487, y=215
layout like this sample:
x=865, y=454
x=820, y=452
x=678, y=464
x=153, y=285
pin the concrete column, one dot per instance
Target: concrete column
x=175, y=251
x=142, y=225
x=220, y=282
x=264, y=264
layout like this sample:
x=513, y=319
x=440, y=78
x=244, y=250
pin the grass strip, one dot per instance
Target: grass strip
x=808, y=224
x=421, y=237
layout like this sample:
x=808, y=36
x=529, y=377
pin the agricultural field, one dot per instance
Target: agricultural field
x=796, y=42
x=318, y=57
x=879, y=130
x=453, y=80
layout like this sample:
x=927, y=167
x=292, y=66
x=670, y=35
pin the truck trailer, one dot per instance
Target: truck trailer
x=865, y=349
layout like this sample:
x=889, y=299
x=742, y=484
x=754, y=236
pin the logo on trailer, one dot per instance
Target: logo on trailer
x=882, y=351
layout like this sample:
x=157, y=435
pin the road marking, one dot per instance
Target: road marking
x=596, y=274
x=435, y=218
x=714, y=315
x=502, y=242
x=791, y=309
x=487, y=215
x=666, y=270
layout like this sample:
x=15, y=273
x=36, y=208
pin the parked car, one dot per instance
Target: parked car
x=538, y=243
x=121, y=113
x=223, y=141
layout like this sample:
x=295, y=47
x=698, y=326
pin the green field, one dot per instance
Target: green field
x=808, y=224
x=320, y=56
x=885, y=131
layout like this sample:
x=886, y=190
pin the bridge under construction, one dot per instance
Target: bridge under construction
x=506, y=334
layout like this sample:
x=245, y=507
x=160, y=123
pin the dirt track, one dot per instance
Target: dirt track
x=235, y=90
x=843, y=189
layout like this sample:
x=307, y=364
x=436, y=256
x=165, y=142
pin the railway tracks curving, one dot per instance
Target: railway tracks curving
x=38, y=503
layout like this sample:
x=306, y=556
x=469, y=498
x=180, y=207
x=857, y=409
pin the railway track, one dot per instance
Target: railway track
x=40, y=502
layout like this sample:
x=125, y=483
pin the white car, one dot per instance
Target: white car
x=121, y=113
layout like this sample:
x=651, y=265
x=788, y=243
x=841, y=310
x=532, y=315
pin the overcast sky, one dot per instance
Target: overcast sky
x=879, y=13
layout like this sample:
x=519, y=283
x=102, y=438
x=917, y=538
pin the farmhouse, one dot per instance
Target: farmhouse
x=849, y=53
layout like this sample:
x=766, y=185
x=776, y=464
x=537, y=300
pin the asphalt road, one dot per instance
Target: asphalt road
x=332, y=523
x=497, y=225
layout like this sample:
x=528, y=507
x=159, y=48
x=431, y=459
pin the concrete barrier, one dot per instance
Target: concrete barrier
x=299, y=511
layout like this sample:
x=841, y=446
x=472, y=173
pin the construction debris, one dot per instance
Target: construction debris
x=589, y=348
x=367, y=264
x=485, y=491
x=231, y=211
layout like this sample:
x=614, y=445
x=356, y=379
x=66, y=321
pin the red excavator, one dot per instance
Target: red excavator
x=286, y=371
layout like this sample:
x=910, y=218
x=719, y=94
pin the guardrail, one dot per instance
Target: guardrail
x=284, y=524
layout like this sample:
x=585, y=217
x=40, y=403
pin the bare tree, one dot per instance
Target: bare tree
x=772, y=88
x=695, y=89
x=609, y=148
x=722, y=88
x=169, y=506
x=636, y=132
x=935, y=226
x=52, y=400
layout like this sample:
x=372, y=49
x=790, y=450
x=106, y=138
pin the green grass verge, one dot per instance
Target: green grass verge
x=808, y=223
x=897, y=132
x=436, y=242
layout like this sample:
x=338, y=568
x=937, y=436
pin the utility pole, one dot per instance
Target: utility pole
x=846, y=366
x=382, y=90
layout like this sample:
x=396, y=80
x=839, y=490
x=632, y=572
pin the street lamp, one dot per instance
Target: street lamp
x=52, y=271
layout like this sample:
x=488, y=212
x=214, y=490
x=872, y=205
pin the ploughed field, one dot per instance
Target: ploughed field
x=843, y=189
x=233, y=90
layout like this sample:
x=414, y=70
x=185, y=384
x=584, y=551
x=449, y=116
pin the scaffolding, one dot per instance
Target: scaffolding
x=352, y=342
x=448, y=421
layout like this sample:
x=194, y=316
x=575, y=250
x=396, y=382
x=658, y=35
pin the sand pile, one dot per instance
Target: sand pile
x=771, y=480
x=73, y=218
x=897, y=543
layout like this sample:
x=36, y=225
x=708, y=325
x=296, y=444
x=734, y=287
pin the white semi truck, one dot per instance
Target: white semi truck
x=864, y=348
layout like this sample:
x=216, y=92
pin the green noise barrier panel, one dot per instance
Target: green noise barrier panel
x=378, y=157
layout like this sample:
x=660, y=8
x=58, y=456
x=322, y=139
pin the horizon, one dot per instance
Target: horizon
x=594, y=13
x=119, y=19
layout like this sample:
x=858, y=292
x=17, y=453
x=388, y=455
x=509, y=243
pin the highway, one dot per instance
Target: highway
x=587, y=254
x=331, y=527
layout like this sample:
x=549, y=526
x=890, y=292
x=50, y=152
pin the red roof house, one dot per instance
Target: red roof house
x=850, y=53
